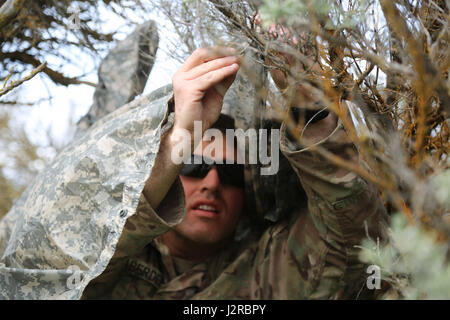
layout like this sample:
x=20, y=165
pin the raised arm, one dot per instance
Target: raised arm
x=341, y=205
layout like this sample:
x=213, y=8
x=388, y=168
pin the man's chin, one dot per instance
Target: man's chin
x=202, y=231
x=203, y=236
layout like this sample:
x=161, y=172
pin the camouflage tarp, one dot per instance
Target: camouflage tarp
x=123, y=73
x=74, y=211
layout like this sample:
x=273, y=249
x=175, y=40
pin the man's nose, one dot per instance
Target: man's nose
x=211, y=181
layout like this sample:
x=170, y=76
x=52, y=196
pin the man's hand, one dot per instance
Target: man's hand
x=200, y=85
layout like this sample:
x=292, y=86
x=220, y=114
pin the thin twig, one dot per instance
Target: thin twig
x=17, y=83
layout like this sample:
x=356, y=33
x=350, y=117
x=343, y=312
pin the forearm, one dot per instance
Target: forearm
x=164, y=171
x=343, y=206
x=333, y=191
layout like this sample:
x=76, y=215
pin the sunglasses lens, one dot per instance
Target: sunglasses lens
x=232, y=174
x=229, y=174
x=194, y=170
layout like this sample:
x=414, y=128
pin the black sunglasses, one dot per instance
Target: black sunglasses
x=229, y=174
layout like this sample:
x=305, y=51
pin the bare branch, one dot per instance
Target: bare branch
x=17, y=83
x=56, y=76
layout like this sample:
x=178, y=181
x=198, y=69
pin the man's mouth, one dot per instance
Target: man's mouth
x=205, y=207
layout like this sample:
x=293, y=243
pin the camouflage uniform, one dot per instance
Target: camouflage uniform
x=86, y=211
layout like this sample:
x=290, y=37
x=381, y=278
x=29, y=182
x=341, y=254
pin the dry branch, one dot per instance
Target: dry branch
x=17, y=83
x=56, y=76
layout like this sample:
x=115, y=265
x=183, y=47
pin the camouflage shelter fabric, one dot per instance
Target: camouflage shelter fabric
x=123, y=73
x=74, y=211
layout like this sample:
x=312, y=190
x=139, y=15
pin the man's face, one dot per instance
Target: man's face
x=213, y=209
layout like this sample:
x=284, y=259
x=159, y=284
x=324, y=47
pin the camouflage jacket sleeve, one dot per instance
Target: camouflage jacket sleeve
x=342, y=208
x=64, y=230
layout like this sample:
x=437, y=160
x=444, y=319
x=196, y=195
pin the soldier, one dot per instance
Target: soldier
x=131, y=223
x=309, y=255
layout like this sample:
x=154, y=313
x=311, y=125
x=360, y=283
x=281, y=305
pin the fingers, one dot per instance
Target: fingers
x=209, y=66
x=278, y=31
x=206, y=68
x=203, y=55
x=257, y=19
x=221, y=79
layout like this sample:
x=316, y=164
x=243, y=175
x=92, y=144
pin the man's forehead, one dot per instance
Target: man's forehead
x=216, y=146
